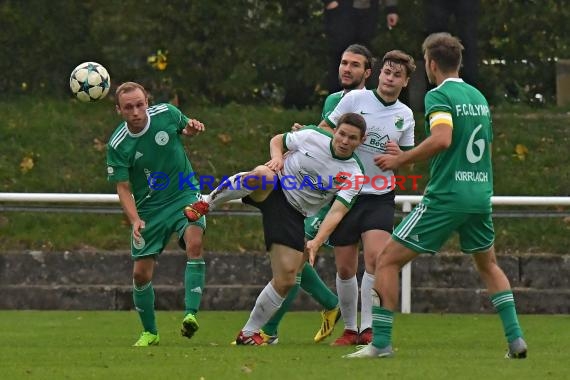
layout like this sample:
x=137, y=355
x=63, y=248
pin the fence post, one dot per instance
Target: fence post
x=407, y=276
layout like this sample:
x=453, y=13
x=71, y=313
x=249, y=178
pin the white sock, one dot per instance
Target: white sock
x=366, y=300
x=266, y=305
x=231, y=188
x=347, y=291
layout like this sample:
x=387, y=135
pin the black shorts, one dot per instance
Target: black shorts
x=282, y=223
x=370, y=212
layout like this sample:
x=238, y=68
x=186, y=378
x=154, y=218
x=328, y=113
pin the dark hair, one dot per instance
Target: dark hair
x=355, y=120
x=363, y=51
x=128, y=87
x=400, y=58
x=445, y=50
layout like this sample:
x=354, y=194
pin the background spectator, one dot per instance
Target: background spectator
x=465, y=14
x=351, y=22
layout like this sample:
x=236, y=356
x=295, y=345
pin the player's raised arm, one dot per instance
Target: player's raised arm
x=439, y=140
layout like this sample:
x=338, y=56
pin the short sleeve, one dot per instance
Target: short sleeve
x=117, y=166
x=345, y=105
x=294, y=140
x=179, y=118
x=436, y=101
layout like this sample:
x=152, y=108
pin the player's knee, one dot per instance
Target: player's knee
x=263, y=173
x=194, y=248
x=282, y=285
x=487, y=267
x=486, y=261
x=141, y=277
x=345, y=272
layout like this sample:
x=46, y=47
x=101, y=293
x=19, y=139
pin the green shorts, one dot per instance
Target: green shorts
x=160, y=224
x=425, y=230
x=313, y=223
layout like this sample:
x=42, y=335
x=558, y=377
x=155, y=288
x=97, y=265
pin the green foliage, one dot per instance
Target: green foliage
x=248, y=51
x=34, y=64
x=526, y=37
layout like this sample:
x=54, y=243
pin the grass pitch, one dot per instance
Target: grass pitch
x=86, y=345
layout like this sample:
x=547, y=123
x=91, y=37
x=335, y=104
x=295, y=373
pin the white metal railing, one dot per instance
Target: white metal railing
x=406, y=201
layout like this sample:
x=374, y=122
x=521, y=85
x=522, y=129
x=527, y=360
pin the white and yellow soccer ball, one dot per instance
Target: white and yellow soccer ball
x=89, y=82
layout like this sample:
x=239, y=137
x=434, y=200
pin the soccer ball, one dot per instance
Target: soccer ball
x=89, y=82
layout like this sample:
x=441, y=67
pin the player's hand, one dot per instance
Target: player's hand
x=393, y=148
x=275, y=164
x=138, y=225
x=296, y=127
x=392, y=20
x=311, y=248
x=193, y=128
x=387, y=161
x=331, y=5
x=390, y=160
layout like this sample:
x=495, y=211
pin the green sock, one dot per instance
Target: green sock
x=143, y=297
x=312, y=284
x=272, y=325
x=194, y=279
x=504, y=303
x=382, y=320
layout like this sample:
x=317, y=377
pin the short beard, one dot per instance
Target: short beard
x=351, y=86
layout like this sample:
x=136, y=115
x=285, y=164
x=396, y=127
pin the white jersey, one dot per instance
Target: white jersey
x=312, y=175
x=384, y=122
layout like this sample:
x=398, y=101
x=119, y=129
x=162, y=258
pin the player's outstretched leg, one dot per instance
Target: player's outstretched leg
x=230, y=188
x=196, y=210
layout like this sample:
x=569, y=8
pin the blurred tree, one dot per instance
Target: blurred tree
x=254, y=50
x=37, y=54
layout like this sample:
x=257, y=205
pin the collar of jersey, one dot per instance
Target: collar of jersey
x=146, y=127
x=457, y=80
x=385, y=103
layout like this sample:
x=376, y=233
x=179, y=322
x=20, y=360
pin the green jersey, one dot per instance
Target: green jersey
x=153, y=160
x=330, y=103
x=461, y=177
